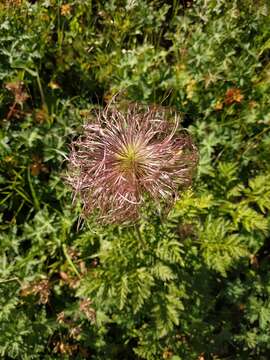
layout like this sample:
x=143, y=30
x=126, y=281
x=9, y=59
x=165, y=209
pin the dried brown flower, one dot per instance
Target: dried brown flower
x=75, y=332
x=20, y=96
x=89, y=312
x=40, y=288
x=17, y=89
x=38, y=166
x=65, y=348
x=233, y=95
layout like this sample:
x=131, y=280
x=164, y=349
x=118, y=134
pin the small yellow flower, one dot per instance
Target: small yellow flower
x=218, y=105
x=66, y=10
x=191, y=88
x=53, y=85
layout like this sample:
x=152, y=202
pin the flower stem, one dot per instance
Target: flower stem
x=139, y=235
x=70, y=261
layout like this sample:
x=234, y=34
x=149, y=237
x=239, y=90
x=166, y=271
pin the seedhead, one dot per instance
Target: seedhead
x=126, y=157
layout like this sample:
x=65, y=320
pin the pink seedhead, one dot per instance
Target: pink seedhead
x=125, y=158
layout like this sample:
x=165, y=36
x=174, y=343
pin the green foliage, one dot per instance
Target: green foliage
x=193, y=284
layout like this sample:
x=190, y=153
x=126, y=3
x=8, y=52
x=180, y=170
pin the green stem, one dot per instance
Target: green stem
x=139, y=235
x=2, y=281
x=33, y=192
x=70, y=261
x=41, y=90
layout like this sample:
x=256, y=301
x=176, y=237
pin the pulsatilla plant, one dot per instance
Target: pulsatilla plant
x=126, y=157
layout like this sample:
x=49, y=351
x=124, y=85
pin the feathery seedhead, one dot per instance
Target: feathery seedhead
x=124, y=158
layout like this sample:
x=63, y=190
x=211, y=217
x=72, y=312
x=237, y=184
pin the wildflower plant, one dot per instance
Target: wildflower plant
x=126, y=157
